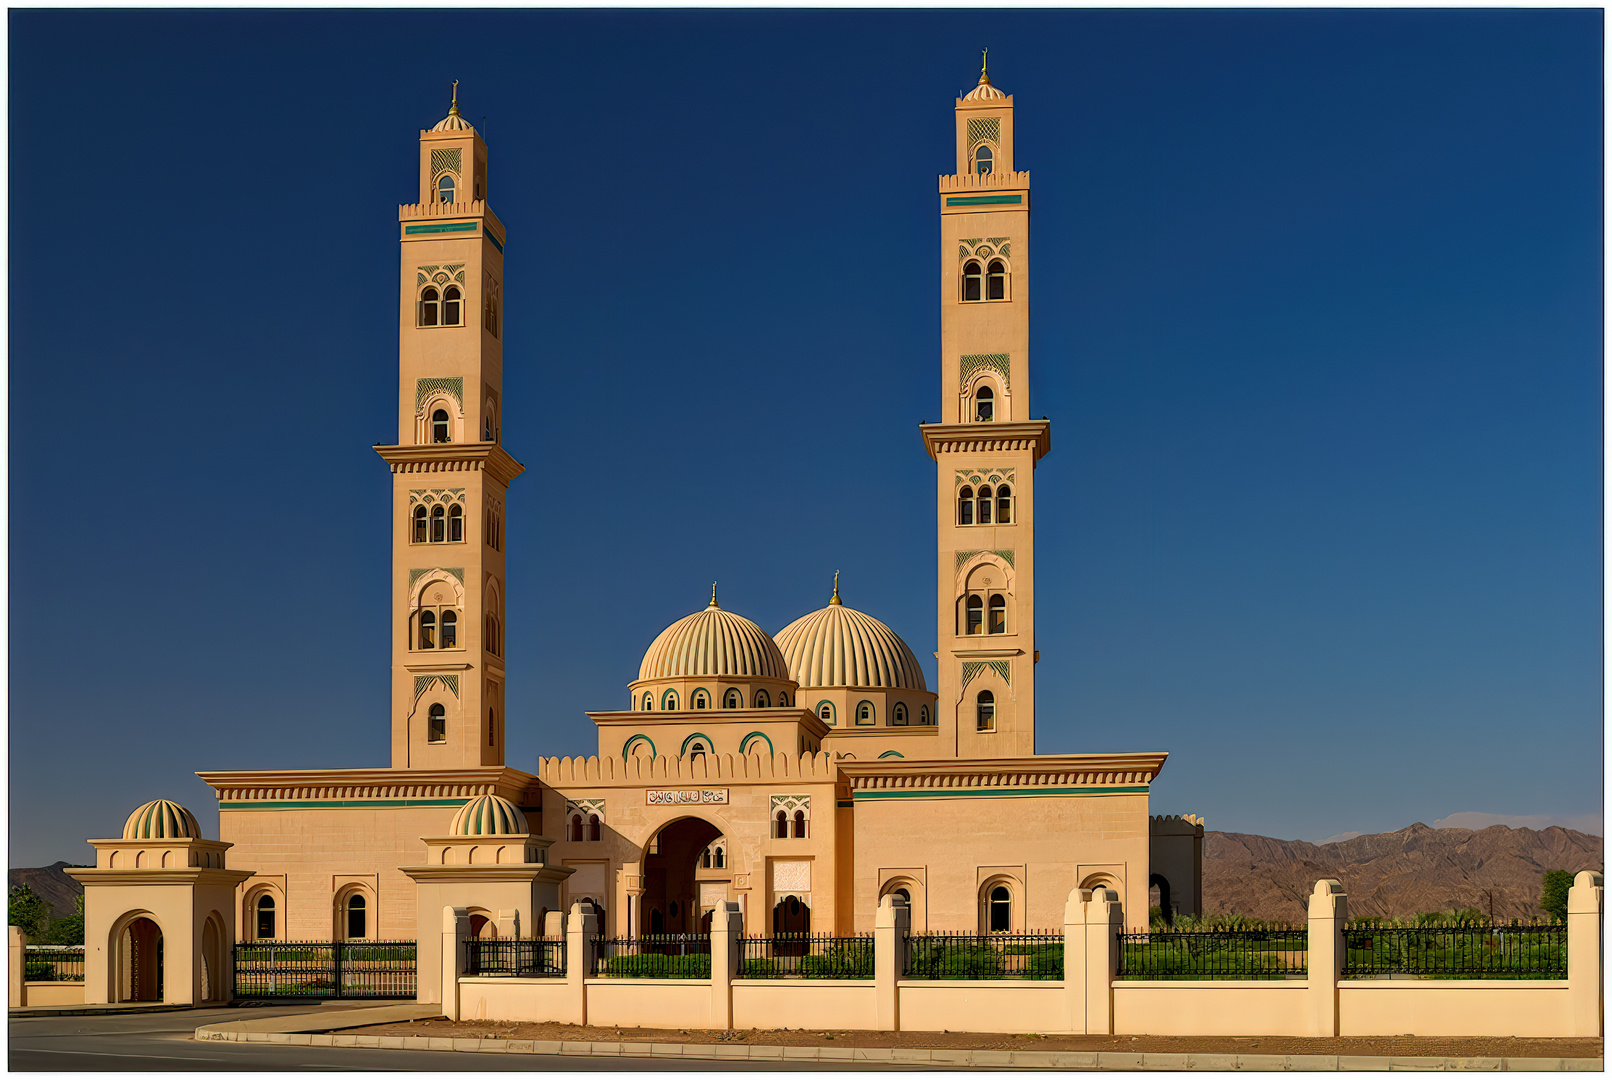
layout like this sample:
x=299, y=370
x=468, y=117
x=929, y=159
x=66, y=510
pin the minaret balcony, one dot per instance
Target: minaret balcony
x=453, y=457
x=983, y=181
x=1032, y=435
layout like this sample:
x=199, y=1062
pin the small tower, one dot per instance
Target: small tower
x=450, y=473
x=986, y=446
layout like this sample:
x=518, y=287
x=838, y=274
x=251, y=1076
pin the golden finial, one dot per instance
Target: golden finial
x=713, y=595
x=835, y=599
x=985, y=80
x=453, y=110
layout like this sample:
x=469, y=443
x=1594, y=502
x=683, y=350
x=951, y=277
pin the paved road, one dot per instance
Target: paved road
x=161, y=1042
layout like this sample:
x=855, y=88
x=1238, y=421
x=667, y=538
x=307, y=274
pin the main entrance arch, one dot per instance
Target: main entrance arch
x=680, y=876
x=137, y=945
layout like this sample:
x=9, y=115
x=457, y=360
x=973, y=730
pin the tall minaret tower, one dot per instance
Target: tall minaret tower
x=449, y=471
x=986, y=446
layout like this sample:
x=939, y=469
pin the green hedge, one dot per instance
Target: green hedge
x=656, y=966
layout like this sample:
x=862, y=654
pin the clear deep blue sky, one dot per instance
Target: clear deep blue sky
x=1316, y=314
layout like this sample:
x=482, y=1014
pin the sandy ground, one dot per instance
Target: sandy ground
x=1395, y=1046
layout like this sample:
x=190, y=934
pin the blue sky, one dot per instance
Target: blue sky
x=1316, y=314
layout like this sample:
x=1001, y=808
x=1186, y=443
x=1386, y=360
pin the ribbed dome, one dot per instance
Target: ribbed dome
x=713, y=642
x=161, y=820
x=488, y=815
x=840, y=646
x=984, y=92
x=453, y=122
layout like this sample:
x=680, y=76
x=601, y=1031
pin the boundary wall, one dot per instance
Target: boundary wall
x=20, y=992
x=1087, y=1000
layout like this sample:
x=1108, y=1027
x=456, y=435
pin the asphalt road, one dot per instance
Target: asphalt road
x=161, y=1042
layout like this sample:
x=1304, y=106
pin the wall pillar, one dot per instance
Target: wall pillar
x=727, y=926
x=17, y=958
x=581, y=927
x=1329, y=911
x=1584, y=904
x=455, y=929
x=1074, y=960
x=508, y=924
x=891, y=924
x=1105, y=918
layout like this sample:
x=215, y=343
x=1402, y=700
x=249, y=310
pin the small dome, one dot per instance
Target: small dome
x=713, y=642
x=161, y=820
x=488, y=815
x=453, y=121
x=840, y=646
x=983, y=92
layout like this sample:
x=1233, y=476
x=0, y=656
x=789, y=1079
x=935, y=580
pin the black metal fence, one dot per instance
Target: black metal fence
x=1455, y=952
x=325, y=969
x=53, y=963
x=541, y=958
x=1266, y=953
x=806, y=956
x=1037, y=955
x=655, y=956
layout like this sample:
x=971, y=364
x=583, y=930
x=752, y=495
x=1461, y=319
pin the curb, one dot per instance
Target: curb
x=994, y=1059
x=23, y=1011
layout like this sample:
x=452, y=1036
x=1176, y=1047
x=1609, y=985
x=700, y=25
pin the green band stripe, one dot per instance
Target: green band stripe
x=982, y=200
x=997, y=793
x=339, y=804
x=451, y=226
x=497, y=243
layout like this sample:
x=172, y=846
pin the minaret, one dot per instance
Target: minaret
x=986, y=446
x=449, y=471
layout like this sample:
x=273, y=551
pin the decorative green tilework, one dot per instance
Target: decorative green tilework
x=971, y=668
x=447, y=161
x=422, y=683
x=985, y=129
x=424, y=388
x=1004, y=669
x=456, y=571
x=964, y=556
x=990, y=475
x=973, y=362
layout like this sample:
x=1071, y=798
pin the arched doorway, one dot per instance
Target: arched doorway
x=212, y=960
x=1158, y=890
x=139, y=961
x=671, y=900
x=791, y=923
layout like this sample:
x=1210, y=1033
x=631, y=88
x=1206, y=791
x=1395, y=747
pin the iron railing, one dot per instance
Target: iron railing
x=54, y=963
x=344, y=969
x=1456, y=952
x=806, y=956
x=1035, y=955
x=1266, y=953
x=536, y=959
x=654, y=956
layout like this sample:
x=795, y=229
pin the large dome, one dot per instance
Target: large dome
x=488, y=815
x=161, y=819
x=840, y=646
x=713, y=642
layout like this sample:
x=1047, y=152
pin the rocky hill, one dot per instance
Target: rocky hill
x=51, y=885
x=1398, y=873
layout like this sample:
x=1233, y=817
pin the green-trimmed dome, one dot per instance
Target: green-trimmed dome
x=161, y=819
x=488, y=815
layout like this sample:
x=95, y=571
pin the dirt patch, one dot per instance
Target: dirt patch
x=1395, y=1046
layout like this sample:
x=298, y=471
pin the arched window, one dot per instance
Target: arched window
x=984, y=404
x=996, y=281
x=669, y=702
x=732, y=699
x=428, y=630
x=450, y=630
x=898, y=715
x=976, y=616
x=696, y=749
x=864, y=713
x=982, y=160
x=998, y=620
x=439, y=517
x=451, y=305
x=780, y=826
x=445, y=188
x=265, y=916
x=825, y=712
x=762, y=700
x=593, y=826
x=971, y=280
x=985, y=505
x=430, y=308
x=721, y=858
x=419, y=524
x=576, y=827
x=800, y=824
x=456, y=523
x=649, y=701
x=965, y=506
x=439, y=426
x=355, y=915
x=705, y=859
x=436, y=723
x=783, y=700
x=923, y=716
x=1004, y=505
x=700, y=701
x=985, y=714
x=1001, y=910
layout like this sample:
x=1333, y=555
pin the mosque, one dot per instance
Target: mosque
x=804, y=774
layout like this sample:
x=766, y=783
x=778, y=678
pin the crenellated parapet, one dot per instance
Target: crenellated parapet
x=560, y=772
x=983, y=181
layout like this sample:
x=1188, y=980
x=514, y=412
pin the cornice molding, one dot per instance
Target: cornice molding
x=1032, y=435
x=1041, y=771
x=187, y=875
x=489, y=871
x=490, y=458
x=711, y=717
x=345, y=784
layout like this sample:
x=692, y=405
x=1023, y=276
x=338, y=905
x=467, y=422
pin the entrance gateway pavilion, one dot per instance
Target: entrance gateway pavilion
x=803, y=775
